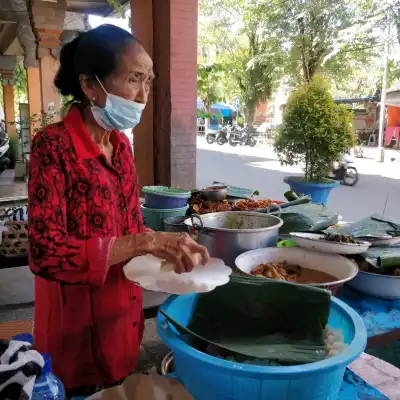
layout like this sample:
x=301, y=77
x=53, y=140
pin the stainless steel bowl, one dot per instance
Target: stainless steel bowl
x=228, y=234
x=214, y=193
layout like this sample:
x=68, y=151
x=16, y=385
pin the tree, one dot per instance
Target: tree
x=322, y=34
x=209, y=77
x=246, y=47
x=257, y=71
x=315, y=131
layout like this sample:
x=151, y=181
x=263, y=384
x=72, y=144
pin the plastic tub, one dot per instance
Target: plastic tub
x=163, y=197
x=211, y=378
x=154, y=218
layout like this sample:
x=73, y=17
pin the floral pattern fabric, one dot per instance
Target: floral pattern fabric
x=87, y=315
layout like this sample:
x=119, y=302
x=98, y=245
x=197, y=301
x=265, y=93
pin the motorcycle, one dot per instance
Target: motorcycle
x=237, y=136
x=211, y=137
x=223, y=135
x=345, y=171
x=4, y=147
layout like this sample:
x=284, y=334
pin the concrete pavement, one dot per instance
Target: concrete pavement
x=259, y=168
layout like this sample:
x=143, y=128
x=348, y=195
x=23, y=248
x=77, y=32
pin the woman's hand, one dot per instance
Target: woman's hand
x=177, y=248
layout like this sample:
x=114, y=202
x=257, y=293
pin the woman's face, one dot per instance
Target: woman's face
x=131, y=80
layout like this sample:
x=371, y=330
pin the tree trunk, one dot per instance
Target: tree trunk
x=250, y=113
x=303, y=51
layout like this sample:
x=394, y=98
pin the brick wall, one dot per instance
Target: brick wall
x=184, y=19
x=174, y=42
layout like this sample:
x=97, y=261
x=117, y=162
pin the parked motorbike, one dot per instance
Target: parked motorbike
x=211, y=137
x=238, y=136
x=4, y=147
x=223, y=135
x=345, y=171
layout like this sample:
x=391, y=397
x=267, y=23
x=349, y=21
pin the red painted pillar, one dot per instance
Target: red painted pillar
x=174, y=45
x=142, y=28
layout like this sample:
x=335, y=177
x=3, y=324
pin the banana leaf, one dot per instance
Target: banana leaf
x=370, y=226
x=383, y=259
x=264, y=348
x=271, y=209
x=264, y=319
x=306, y=218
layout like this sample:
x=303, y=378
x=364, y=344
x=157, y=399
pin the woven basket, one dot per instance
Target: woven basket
x=15, y=240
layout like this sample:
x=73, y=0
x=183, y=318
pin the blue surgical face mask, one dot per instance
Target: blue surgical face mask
x=118, y=114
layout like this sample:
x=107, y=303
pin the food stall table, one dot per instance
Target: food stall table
x=381, y=317
x=377, y=373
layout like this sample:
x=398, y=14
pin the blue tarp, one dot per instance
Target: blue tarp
x=380, y=316
x=226, y=110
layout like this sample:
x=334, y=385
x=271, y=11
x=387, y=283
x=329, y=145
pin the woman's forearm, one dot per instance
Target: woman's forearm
x=127, y=247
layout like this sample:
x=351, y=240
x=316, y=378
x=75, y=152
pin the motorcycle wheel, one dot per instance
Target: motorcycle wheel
x=232, y=142
x=253, y=143
x=221, y=141
x=350, y=177
x=210, y=139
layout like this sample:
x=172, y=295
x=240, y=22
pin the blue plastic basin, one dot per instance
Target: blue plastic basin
x=164, y=198
x=211, y=378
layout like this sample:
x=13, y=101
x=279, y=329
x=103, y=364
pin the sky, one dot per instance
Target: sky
x=95, y=21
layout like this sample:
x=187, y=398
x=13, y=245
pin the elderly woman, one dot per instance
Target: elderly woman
x=85, y=218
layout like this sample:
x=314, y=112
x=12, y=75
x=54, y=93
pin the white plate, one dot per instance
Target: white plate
x=340, y=267
x=145, y=271
x=314, y=241
x=383, y=240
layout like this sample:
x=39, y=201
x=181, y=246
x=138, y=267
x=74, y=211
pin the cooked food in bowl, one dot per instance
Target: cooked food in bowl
x=290, y=272
x=337, y=237
x=339, y=269
x=208, y=207
x=390, y=269
x=251, y=204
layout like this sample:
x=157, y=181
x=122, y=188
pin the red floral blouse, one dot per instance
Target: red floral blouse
x=88, y=317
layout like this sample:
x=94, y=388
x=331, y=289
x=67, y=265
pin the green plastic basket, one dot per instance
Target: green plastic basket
x=154, y=218
x=166, y=191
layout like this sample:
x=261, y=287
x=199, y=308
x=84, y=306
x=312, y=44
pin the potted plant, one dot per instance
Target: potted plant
x=315, y=133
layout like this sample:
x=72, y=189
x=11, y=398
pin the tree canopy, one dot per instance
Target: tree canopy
x=262, y=43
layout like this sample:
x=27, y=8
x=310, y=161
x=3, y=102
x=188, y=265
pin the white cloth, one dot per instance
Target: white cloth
x=20, y=364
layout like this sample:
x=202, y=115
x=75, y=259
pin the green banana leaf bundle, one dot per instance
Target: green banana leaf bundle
x=270, y=320
x=383, y=260
x=372, y=225
x=306, y=218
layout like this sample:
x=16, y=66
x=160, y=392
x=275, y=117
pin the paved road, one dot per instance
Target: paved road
x=259, y=169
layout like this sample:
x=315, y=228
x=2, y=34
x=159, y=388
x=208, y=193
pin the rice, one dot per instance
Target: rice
x=334, y=342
